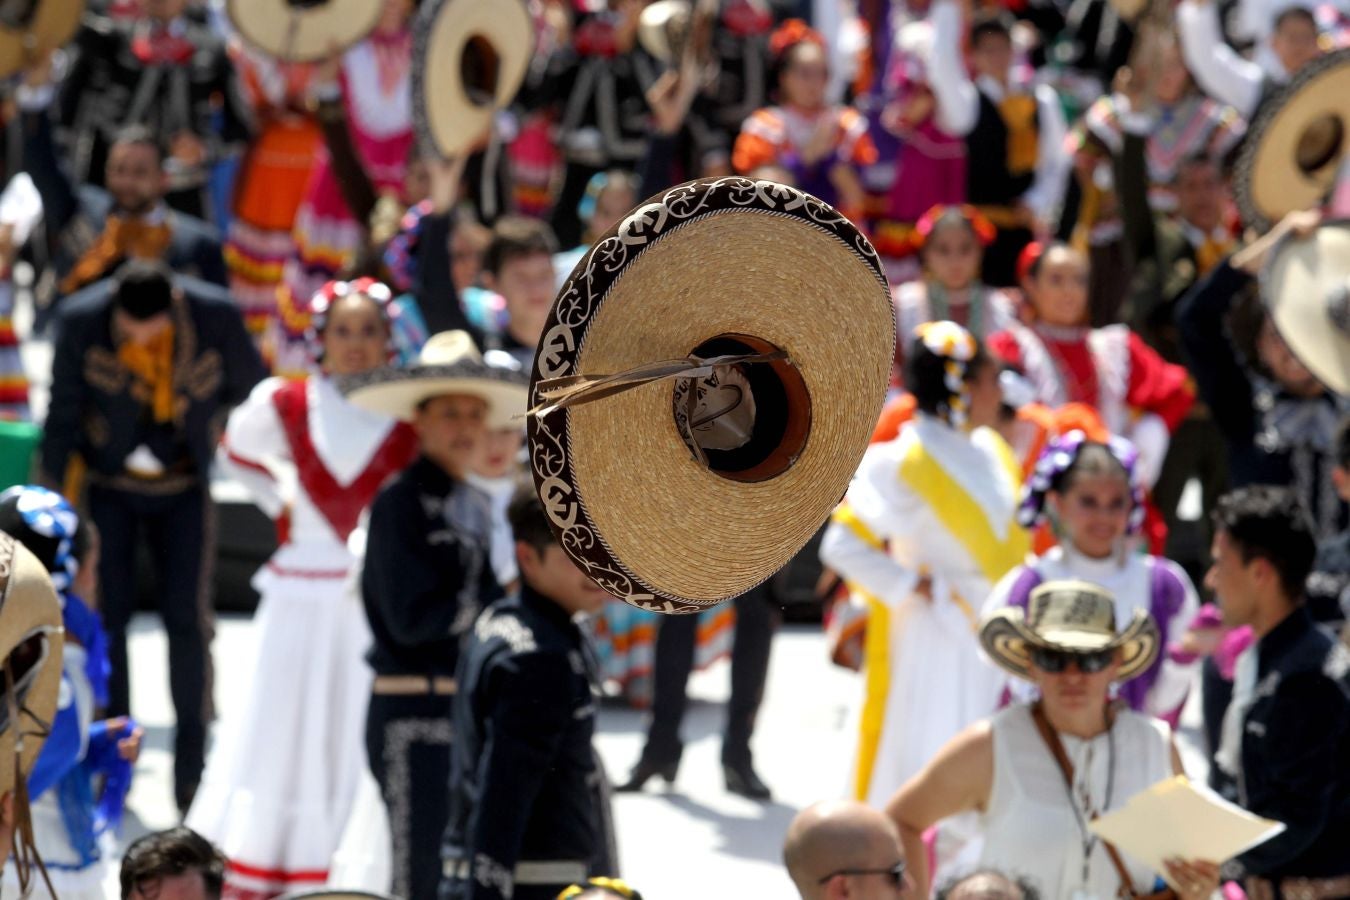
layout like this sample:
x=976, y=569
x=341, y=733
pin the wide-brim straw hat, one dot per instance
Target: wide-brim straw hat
x=41, y=26
x=469, y=59
x=1071, y=616
x=1295, y=147
x=688, y=285
x=1306, y=287
x=30, y=646
x=448, y=364
x=303, y=31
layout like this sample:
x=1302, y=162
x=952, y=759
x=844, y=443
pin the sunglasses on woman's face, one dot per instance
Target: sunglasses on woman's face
x=1056, y=661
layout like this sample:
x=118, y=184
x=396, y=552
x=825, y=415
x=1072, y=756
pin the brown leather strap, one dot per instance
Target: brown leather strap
x=1052, y=741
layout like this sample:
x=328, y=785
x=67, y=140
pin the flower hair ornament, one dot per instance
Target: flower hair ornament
x=790, y=34
x=49, y=515
x=1058, y=457
x=957, y=347
x=327, y=296
x=983, y=229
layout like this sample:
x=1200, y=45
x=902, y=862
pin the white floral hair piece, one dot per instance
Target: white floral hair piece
x=958, y=347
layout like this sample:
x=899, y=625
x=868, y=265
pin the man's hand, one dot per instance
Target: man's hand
x=1300, y=224
x=445, y=176
x=39, y=73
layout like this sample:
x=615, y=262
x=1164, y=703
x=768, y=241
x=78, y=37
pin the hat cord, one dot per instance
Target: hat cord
x=24, y=847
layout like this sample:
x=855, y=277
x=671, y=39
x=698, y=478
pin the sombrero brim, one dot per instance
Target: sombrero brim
x=303, y=34
x=445, y=117
x=710, y=260
x=29, y=609
x=398, y=392
x=1006, y=638
x=1295, y=284
x=53, y=25
x=1268, y=181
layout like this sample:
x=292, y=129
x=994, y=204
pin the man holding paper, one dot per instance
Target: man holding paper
x=1286, y=737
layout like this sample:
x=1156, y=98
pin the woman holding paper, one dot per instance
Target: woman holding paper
x=1039, y=773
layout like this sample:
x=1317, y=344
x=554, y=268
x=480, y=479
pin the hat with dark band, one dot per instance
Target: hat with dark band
x=303, y=30
x=769, y=311
x=1072, y=617
x=1297, y=143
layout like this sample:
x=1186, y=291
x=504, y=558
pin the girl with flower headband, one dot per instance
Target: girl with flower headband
x=820, y=144
x=1091, y=493
x=926, y=530
x=1139, y=395
x=312, y=462
x=80, y=780
x=951, y=242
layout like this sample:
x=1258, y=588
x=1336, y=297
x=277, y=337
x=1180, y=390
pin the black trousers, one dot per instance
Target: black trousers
x=1198, y=451
x=408, y=744
x=179, y=529
x=756, y=618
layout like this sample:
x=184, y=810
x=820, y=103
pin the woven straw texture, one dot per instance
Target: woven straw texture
x=650, y=523
x=1268, y=181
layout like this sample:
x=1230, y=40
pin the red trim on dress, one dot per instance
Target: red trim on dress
x=340, y=505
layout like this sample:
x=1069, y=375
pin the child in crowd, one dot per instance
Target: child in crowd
x=80, y=781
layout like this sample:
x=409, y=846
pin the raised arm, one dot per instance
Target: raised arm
x=958, y=103
x=1217, y=68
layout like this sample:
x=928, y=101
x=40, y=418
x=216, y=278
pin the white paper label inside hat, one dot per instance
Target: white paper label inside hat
x=722, y=416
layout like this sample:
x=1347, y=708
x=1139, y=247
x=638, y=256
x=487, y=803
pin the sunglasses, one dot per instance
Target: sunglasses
x=895, y=874
x=1056, y=661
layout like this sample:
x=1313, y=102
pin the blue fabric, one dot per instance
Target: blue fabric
x=61, y=752
x=86, y=628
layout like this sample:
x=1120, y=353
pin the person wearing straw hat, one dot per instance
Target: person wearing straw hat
x=1285, y=737
x=943, y=496
x=427, y=573
x=529, y=805
x=1037, y=774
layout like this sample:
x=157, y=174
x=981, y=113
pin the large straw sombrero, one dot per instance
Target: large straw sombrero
x=1073, y=616
x=1295, y=147
x=303, y=30
x=770, y=311
x=1306, y=287
x=448, y=364
x=469, y=59
x=30, y=649
x=31, y=28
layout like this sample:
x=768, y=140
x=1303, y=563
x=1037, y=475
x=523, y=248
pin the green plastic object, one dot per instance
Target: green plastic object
x=18, y=444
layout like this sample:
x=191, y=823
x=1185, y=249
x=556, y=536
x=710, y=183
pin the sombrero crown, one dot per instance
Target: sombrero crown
x=770, y=310
x=1071, y=616
x=449, y=363
x=303, y=30
x=30, y=652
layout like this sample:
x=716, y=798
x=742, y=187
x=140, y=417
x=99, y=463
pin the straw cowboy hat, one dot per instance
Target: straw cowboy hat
x=303, y=30
x=1071, y=616
x=1297, y=143
x=1306, y=287
x=448, y=364
x=469, y=59
x=770, y=312
x=31, y=28
x=30, y=648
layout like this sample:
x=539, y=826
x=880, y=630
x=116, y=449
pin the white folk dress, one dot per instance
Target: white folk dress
x=1030, y=828
x=282, y=776
x=940, y=503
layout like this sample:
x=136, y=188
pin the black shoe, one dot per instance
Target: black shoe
x=741, y=779
x=643, y=772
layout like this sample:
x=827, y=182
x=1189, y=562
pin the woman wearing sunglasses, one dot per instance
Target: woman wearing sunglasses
x=1038, y=773
x=1092, y=495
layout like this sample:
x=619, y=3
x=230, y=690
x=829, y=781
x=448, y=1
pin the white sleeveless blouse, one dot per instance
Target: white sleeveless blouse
x=1030, y=828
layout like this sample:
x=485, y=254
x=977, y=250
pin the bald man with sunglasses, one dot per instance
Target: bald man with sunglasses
x=845, y=849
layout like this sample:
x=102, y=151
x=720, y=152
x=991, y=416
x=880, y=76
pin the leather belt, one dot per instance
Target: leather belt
x=412, y=685
x=1299, y=888
x=532, y=871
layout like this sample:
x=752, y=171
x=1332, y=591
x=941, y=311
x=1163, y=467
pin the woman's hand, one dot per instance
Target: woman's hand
x=1196, y=879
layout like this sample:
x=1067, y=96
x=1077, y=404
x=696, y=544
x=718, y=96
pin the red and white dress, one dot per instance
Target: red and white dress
x=1139, y=395
x=282, y=776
